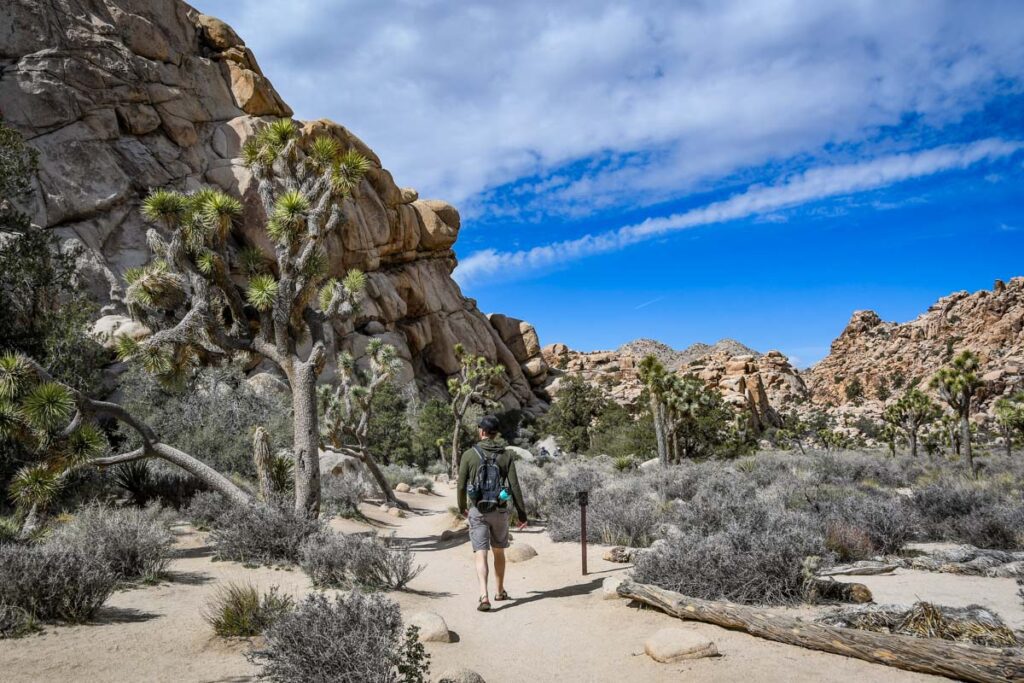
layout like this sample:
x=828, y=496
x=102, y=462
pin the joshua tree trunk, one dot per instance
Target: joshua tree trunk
x=912, y=438
x=31, y=523
x=659, y=430
x=456, y=433
x=307, y=439
x=965, y=439
x=262, y=459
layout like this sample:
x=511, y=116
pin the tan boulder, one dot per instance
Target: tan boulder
x=520, y=552
x=431, y=625
x=671, y=645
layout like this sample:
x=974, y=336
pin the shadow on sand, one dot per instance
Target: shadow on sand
x=565, y=592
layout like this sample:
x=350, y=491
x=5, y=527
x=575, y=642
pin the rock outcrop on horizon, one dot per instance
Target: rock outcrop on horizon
x=873, y=361
x=122, y=97
x=764, y=385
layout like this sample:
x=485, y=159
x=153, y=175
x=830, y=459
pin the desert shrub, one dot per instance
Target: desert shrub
x=15, y=622
x=340, y=495
x=54, y=582
x=404, y=474
x=270, y=534
x=134, y=544
x=351, y=639
x=213, y=416
x=846, y=467
x=754, y=558
x=344, y=561
x=9, y=530
x=624, y=512
x=889, y=523
x=563, y=483
x=239, y=610
x=531, y=480
x=999, y=526
x=848, y=542
x=206, y=508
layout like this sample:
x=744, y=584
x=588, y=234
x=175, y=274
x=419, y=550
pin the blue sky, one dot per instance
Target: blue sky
x=684, y=170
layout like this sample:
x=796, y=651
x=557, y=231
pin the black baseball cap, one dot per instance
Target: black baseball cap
x=489, y=424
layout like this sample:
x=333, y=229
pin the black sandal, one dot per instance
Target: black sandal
x=501, y=597
x=484, y=605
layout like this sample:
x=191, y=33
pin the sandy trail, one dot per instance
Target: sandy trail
x=556, y=629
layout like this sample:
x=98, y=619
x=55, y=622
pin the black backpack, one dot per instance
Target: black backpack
x=490, y=482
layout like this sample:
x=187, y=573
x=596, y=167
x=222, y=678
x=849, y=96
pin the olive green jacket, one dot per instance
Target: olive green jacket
x=470, y=463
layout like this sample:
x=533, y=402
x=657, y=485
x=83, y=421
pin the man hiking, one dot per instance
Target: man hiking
x=487, y=480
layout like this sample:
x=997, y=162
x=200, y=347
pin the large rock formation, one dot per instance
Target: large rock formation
x=121, y=97
x=762, y=385
x=873, y=361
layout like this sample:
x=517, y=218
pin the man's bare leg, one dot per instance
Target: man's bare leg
x=481, y=569
x=499, y=569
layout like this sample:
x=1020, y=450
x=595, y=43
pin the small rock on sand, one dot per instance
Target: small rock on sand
x=619, y=554
x=396, y=512
x=432, y=626
x=674, y=645
x=423, y=490
x=460, y=676
x=520, y=552
x=610, y=588
x=402, y=487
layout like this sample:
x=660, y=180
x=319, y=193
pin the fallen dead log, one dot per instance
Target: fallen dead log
x=865, y=568
x=925, y=655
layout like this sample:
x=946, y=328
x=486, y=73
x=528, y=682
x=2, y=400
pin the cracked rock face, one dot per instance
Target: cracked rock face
x=121, y=97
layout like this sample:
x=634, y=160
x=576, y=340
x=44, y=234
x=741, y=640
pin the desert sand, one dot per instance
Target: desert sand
x=557, y=628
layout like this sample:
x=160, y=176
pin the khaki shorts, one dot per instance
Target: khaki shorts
x=487, y=529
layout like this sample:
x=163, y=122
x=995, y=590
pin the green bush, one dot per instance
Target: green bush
x=239, y=610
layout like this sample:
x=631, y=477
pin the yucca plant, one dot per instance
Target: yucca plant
x=42, y=415
x=189, y=295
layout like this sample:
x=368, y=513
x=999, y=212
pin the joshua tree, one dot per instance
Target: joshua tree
x=956, y=384
x=910, y=413
x=199, y=311
x=1010, y=418
x=656, y=379
x=794, y=431
x=347, y=408
x=475, y=382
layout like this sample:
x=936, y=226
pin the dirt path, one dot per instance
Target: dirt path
x=556, y=629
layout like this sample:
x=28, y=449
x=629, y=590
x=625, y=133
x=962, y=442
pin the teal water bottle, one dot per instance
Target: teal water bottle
x=503, y=495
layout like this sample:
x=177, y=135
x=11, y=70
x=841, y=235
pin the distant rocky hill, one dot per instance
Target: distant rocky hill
x=671, y=358
x=871, y=361
x=122, y=96
x=763, y=385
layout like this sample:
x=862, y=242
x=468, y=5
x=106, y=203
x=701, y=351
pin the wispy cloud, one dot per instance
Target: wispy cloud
x=648, y=303
x=802, y=188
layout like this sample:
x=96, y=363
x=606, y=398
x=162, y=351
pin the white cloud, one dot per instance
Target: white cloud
x=669, y=97
x=797, y=189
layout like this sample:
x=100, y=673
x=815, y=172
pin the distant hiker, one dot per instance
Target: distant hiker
x=487, y=480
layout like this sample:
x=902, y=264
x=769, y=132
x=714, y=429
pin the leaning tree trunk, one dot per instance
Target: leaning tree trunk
x=912, y=437
x=306, y=440
x=262, y=460
x=926, y=655
x=659, y=430
x=382, y=481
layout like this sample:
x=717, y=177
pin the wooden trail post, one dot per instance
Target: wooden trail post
x=584, y=497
